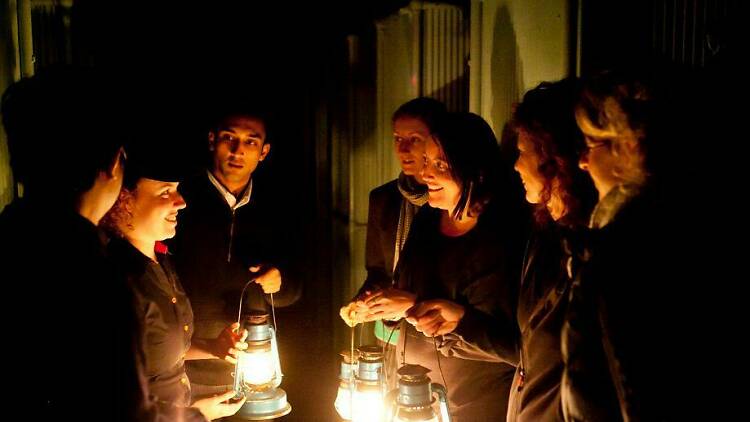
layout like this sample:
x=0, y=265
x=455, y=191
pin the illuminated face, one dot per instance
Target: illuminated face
x=527, y=166
x=600, y=162
x=442, y=191
x=238, y=145
x=154, y=207
x=410, y=135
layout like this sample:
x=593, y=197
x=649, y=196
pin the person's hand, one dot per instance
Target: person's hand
x=269, y=278
x=353, y=313
x=229, y=342
x=435, y=317
x=388, y=304
x=219, y=406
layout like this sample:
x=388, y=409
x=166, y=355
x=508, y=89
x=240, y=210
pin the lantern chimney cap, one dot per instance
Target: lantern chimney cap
x=413, y=372
x=370, y=353
x=256, y=318
x=347, y=356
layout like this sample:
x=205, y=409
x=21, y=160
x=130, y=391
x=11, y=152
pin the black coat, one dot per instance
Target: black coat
x=478, y=270
x=543, y=296
x=214, y=247
x=617, y=341
x=382, y=224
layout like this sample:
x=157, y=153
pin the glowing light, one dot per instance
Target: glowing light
x=368, y=406
x=257, y=367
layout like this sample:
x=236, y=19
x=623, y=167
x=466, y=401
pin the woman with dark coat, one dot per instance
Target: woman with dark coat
x=463, y=253
x=548, y=142
x=616, y=337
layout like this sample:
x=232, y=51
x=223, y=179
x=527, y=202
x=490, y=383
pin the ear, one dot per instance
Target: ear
x=211, y=141
x=264, y=151
x=115, y=166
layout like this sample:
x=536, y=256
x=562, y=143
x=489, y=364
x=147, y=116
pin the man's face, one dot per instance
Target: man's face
x=238, y=144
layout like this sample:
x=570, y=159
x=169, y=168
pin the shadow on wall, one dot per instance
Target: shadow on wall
x=454, y=93
x=505, y=68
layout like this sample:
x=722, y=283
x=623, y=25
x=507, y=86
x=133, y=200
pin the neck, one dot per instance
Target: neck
x=235, y=188
x=146, y=247
x=90, y=208
x=449, y=226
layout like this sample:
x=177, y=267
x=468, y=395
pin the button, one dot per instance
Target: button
x=185, y=327
x=174, y=300
x=183, y=380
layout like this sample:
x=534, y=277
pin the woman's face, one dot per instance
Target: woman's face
x=409, y=137
x=527, y=166
x=599, y=161
x=154, y=208
x=443, y=192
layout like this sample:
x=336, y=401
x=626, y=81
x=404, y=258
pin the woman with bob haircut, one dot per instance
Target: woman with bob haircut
x=459, y=266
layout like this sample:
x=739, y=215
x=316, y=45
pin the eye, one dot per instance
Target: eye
x=441, y=166
x=165, y=194
x=416, y=140
x=251, y=142
x=226, y=137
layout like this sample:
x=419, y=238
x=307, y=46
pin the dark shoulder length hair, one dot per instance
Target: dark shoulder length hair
x=473, y=156
x=547, y=116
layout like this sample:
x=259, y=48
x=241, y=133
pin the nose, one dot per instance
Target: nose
x=179, y=201
x=234, y=147
x=404, y=146
x=583, y=161
x=516, y=165
x=426, y=172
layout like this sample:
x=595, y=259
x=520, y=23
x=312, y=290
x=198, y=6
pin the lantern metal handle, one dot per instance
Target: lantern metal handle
x=442, y=394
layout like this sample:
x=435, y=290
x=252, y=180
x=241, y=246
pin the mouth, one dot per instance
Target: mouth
x=433, y=189
x=171, y=219
x=235, y=165
x=408, y=162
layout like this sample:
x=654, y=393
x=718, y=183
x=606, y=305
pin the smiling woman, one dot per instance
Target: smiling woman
x=146, y=213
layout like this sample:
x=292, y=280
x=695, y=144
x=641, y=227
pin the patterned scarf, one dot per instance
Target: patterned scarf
x=415, y=196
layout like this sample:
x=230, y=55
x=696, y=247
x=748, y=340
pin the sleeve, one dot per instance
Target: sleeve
x=377, y=274
x=488, y=331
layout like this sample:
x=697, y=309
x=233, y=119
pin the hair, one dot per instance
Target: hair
x=428, y=110
x=546, y=115
x=621, y=109
x=473, y=157
x=241, y=108
x=118, y=215
x=59, y=125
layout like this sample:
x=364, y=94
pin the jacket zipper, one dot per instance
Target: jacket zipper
x=231, y=238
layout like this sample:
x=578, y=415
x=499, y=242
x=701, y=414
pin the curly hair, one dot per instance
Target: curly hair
x=619, y=108
x=119, y=217
x=546, y=115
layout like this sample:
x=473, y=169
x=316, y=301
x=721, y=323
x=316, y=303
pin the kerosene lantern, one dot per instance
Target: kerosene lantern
x=348, y=368
x=413, y=400
x=258, y=372
x=369, y=386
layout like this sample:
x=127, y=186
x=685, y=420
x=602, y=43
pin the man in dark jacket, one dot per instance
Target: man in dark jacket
x=231, y=233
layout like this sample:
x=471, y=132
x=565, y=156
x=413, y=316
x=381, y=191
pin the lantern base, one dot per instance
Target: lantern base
x=263, y=406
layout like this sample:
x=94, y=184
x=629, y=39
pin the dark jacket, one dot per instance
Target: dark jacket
x=542, y=300
x=214, y=247
x=382, y=224
x=617, y=338
x=478, y=270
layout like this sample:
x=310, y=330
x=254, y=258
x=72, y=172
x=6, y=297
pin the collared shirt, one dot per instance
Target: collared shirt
x=228, y=196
